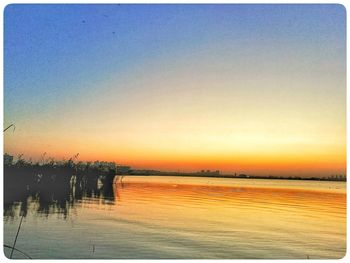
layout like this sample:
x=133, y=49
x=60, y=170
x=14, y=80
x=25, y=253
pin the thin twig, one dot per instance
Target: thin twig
x=23, y=253
x=14, y=243
x=14, y=127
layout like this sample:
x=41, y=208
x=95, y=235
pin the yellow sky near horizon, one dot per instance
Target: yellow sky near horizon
x=189, y=121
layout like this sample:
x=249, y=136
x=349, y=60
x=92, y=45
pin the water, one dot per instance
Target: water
x=176, y=217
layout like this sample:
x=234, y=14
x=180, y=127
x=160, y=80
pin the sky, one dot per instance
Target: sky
x=259, y=89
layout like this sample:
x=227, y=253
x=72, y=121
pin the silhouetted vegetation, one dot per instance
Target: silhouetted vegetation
x=54, y=186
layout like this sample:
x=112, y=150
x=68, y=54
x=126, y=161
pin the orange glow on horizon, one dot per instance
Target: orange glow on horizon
x=261, y=162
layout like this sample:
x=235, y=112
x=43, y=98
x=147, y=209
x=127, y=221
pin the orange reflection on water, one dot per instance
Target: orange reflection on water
x=262, y=222
x=229, y=205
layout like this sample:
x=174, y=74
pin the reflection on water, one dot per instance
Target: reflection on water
x=174, y=217
x=49, y=198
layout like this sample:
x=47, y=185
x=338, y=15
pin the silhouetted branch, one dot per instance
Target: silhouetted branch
x=12, y=125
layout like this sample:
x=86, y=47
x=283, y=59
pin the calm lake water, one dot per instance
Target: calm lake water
x=181, y=217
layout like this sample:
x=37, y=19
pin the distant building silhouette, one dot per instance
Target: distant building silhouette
x=121, y=169
x=208, y=172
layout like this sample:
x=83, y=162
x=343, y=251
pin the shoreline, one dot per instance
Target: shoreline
x=237, y=177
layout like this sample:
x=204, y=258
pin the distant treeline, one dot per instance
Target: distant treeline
x=59, y=171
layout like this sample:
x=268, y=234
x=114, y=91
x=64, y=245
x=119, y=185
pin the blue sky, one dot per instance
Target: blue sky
x=51, y=50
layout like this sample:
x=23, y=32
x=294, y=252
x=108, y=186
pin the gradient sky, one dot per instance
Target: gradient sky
x=259, y=89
